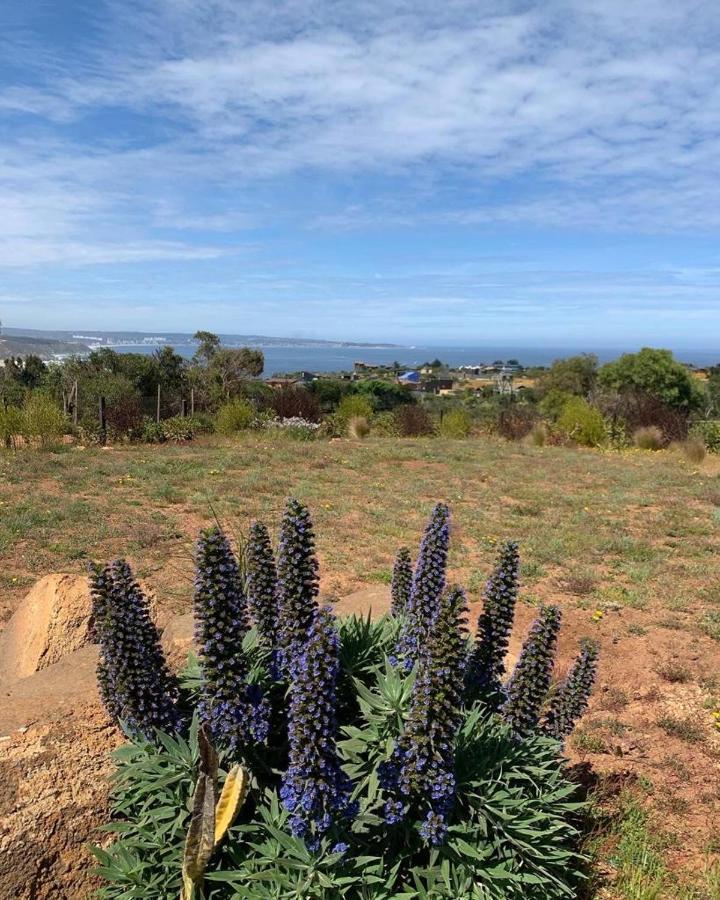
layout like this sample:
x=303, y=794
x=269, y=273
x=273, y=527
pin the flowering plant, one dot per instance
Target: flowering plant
x=387, y=758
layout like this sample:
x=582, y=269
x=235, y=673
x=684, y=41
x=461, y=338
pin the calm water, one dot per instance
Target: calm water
x=334, y=359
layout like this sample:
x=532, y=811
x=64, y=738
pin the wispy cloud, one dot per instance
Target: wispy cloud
x=135, y=133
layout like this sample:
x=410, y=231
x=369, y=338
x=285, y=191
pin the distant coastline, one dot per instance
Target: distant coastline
x=283, y=354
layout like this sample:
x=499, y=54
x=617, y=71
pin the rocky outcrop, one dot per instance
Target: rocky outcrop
x=51, y=622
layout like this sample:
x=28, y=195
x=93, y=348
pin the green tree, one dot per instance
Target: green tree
x=654, y=373
x=209, y=344
x=575, y=375
x=229, y=368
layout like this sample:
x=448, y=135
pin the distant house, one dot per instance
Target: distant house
x=437, y=386
x=278, y=383
x=409, y=378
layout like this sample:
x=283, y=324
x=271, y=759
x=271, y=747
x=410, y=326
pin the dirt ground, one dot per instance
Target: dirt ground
x=626, y=544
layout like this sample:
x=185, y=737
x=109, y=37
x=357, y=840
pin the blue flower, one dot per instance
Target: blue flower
x=571, y=699
x=528, y=686
x=427, y=587
x=486, y=667
x=315, y=789
x=262, y=583
x=420, y=774
x=401, y=582
x=298, y=582
x=135, y=683
x=235, y=712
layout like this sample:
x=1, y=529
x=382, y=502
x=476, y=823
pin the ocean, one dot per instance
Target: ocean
x=320, y=358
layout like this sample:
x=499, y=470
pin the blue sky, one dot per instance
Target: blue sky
x=539, y=173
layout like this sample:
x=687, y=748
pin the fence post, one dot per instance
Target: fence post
x=157, y=417
x=184, y=409
x=192, y=401
x=75, y=403
x=103, y=422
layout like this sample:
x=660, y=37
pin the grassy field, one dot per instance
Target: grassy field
x=627, y=544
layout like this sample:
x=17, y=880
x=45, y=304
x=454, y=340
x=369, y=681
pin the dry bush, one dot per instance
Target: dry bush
x=296, y=403
x=649, y=438
x=124, y=417
x=413, y=421
x=538, y=435
x=640, y=410
x=358, y=428
x=693, y=450
x=516, y=422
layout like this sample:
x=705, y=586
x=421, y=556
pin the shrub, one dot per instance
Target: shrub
x=296, y=429
x=413, y=421
x=649, y=438
x=201, y=423
x=11, y=425
x=515, y=421
x=709, y=433
x=385, y=424
x=177, y=429
x=693, y=450
x=553, y=403
x=538, y=435
x=124, y=418
x=43, y=421
x=582, y=423
x=354, y=405
x=296, y=402
x=152, y=432
x=456, y=423
x=639, y=410
x=370, y=780
x=237, y=415
x=358, y=428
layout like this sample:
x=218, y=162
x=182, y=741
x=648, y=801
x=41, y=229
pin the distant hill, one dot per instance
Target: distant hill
x=45, y=347
x=111, y=338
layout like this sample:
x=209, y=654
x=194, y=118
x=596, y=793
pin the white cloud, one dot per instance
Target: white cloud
x=470, y=113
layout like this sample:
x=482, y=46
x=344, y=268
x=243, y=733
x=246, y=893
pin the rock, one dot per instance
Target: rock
x=50, y=694
x=178, y=639
x=51, y=622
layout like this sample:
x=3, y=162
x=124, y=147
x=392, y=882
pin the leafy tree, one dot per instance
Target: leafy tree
x=654, y=373
x=384, y=395
x=33, y=372
x=574, y=375
x=713, y=391
x=209, y=344
x=329, y=391
x=229, y=368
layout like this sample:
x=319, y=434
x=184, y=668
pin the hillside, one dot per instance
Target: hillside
x=627, y=545
x=44, y=347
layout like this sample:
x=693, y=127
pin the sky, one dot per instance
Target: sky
x=539, y=173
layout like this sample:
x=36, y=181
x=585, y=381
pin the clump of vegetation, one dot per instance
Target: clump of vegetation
x=358, y=428
x=582, y=423
x=384, y=758
x=413, y=421
x=456, y=423
x=649, y=438
x=234, y=416
x=693, y=450
x=709, y=433
x=538, y=435
x=42, y=422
